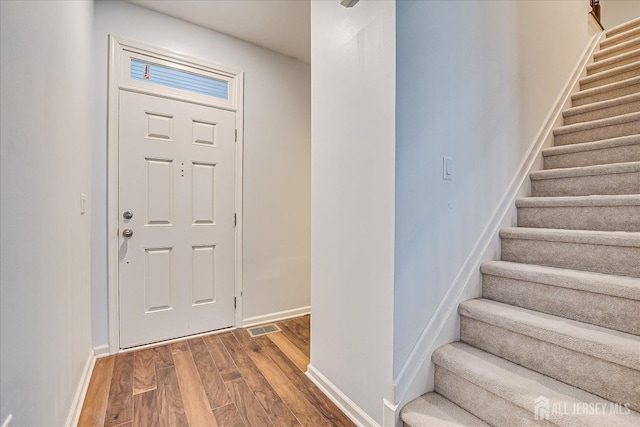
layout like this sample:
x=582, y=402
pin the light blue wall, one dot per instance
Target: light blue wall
x=45, y=153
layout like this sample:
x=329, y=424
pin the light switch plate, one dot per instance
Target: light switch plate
x=447, y=169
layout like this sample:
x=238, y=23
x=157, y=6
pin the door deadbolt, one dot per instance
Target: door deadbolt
x=127, y=232
x=127, y=215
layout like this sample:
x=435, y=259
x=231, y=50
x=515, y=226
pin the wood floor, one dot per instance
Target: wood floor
x=227, y=379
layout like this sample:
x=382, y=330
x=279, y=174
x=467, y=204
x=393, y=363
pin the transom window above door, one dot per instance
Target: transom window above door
x=178, y=79
x=148, y=70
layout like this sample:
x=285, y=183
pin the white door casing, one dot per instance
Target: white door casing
x=180, y=273
x=177, y=179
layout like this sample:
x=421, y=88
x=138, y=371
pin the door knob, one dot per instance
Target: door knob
x=127, y=215
x=127, y=232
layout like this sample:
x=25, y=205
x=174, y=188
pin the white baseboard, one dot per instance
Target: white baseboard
x=81, y=391
x=275, y=317
x=416, y=375
x=101, y=351
x=346, y=405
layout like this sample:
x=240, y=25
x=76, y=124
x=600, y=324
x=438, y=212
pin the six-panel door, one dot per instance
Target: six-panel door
x=176, y=176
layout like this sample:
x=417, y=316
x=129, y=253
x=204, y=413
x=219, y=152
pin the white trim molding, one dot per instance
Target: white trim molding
x=81, y=391
x=390, y=417
x=346, y=405
x=120, y=52
x=239, y=192
x=416, y=374
x=276, y=317
x=101, y=351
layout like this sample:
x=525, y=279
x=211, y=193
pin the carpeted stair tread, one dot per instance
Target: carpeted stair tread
x=519, y=387
x=595, y=124
x=615, y=74
x=433, y=410
x=621, y=149
x=603, y=213
x=609, y=238
x=613, y=200
x=629, y=25
x=605, y=300
x=593, y=145
x=602, y=109
x=622, y=36
x=609, y=252
x=594, y=130
x=607, y=91
x=594, y=359
x=613, y=346
x=601, y=104
x=613, y=61
x=606, y=284
x=594, y=170
x=617, y=49
x=607, y=179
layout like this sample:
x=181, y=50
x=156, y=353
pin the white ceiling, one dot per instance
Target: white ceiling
x=280, y=25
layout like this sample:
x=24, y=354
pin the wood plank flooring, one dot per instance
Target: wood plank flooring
x=228, y=379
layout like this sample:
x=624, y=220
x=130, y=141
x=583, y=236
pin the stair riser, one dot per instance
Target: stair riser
x=598, y=134
x=599, y=218
x=630, y=48
x=610, y=79
x=597, y=67
x=605, y=96
x=618, y=260
x=611, y=184
x=620, y=314
x=617, y=39
x=600, y=377
x=603, y=113
x=620, y=154
x=480, y=402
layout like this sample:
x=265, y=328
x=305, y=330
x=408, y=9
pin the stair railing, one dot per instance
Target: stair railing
x=596, y=12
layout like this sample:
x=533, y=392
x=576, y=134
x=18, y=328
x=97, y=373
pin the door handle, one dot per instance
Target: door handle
x=127, y=232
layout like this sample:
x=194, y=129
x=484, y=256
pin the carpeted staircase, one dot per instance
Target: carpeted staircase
x=555, y=338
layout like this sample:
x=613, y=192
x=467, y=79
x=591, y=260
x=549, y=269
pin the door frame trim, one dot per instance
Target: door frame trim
x=118, y=49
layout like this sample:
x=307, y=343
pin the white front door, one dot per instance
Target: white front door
x=176, y=183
